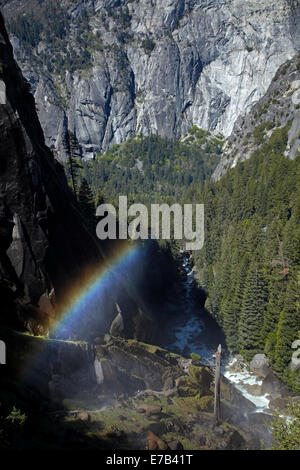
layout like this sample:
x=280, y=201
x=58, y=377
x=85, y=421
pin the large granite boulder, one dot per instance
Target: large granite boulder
x=259, y=365
x=273, y=386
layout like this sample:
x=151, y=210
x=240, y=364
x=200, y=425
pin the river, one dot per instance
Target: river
x=193, y=330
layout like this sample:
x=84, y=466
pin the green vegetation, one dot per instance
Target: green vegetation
x=260, y=131
x=72, y=150
x=51, y=23
x=11, y=426
x=196, y=359
x=87, y=204
x=27, y=28
x=148, y=45
x=30, y=27
x=250, y=263
x=153, y=168
x=286, y=432
x=28, y=419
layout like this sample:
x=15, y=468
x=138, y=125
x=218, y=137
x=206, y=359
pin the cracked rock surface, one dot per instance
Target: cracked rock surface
x=159, y=66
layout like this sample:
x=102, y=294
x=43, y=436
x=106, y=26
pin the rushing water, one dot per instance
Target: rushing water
x=193, y=330
x=241, y=379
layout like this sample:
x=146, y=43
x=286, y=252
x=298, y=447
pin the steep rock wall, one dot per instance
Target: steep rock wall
x=159, y=66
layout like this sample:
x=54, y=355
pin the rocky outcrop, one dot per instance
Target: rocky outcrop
x=140, y=67
x=46, y=250
x=278, y=108
x=124, y=398
x=259, y=365
x=274, y=387
x=44, y=243
x=117, y=326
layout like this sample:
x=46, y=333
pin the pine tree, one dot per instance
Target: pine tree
x=230, y=322
x=276, y=296
x=71, y=147
x=99, y=198
x=252, y=312
x=232, y=308
x=87, y=204
x=288, y=326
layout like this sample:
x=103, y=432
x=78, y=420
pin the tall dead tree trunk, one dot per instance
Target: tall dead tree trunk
x=217, y=386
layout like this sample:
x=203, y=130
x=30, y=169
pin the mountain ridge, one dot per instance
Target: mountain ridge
x=152, y=69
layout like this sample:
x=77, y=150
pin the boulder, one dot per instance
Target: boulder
x=235, y=441
x=99, y=340
x=175, y=445
x=107, y=338
x=273, y=386
x=83, y=416
x=117, y=325
x=254, y=389
x=168, y=384
x=46, y=306
x=155, y=443
x=181, y=381
x=259, y=365
x=236, y=365
x=278, y=404
x=150, y=410
x=219, y=430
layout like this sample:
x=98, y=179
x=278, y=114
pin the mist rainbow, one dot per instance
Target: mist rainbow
x=86, y=295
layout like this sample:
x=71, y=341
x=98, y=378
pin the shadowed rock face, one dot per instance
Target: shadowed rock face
x=159, y=66
x=45, y=246
x=44, y=243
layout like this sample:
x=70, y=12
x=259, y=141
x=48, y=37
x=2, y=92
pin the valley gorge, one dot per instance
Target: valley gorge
x=110, y=344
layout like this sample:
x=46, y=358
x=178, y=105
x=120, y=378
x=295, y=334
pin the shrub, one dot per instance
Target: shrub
x=196, y=359
x=148, y=45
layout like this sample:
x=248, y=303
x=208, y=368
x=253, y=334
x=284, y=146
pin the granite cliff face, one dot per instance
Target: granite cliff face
x=123, y=67
x=45, y=246
x=40, y=226
x=278, y=108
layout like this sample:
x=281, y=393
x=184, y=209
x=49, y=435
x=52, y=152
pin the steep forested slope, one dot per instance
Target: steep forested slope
x=152, y=169
x=250, y=263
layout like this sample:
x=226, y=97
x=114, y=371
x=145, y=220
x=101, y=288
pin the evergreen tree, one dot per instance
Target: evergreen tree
x=87, y=205
x=99, y=198
x=230, y=322
x=276, y=296
x=70, y=144
x=252, y=312
x=288, y=326
x=232, y=308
